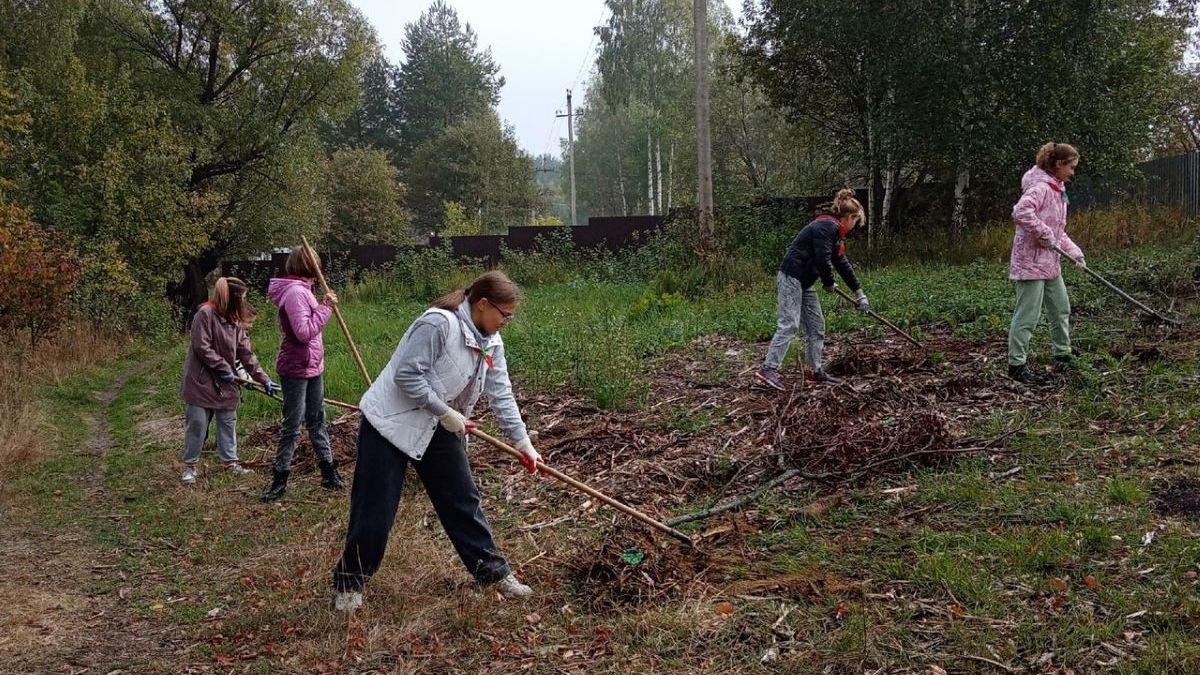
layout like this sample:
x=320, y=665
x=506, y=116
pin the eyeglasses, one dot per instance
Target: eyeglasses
x=507, y=316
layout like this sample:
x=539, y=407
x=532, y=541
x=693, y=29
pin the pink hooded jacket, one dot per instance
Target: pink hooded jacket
x=301, y=319
x=1041, y=219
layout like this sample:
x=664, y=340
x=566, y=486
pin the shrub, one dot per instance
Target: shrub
x=44, y=268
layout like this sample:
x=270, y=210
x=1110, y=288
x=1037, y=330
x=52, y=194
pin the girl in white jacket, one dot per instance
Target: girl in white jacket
x=417, y=411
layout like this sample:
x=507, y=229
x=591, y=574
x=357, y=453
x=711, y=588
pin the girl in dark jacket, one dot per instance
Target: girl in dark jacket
x=815, y=253
x=210, y=389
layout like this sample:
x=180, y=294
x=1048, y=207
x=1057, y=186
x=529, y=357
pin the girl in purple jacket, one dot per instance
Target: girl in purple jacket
x=300, y=365
x=1040, y=217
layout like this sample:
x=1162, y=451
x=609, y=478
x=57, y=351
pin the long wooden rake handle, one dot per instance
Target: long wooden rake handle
x=880, y=319
x=517, y=454
x=582, y=487
x=308, y=251
x=1113, y=287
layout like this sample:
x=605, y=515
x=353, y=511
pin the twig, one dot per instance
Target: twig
x=735, y=503
x=984, y=659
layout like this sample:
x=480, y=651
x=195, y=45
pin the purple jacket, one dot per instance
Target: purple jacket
x=215, y=345
x=1041, y=219
x=301, y=319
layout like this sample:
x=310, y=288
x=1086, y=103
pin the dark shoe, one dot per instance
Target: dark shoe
x=823, y=377
x=278, y=486
x=770, y=377
x=330, y=480
x=1063, y=362
x=1024, y=375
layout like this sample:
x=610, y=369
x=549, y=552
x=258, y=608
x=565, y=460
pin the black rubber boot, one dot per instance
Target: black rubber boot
x=278, y=486
x=330, y=480
x=1063, y=363
x=1024, y=375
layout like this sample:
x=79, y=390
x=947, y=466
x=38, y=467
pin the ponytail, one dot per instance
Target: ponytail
x=494, y=285
x=1051, y=155
x=845, y=202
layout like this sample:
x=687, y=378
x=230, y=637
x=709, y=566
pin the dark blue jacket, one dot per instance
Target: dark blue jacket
x=816, y=252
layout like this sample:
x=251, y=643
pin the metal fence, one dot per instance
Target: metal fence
x=1173, y=182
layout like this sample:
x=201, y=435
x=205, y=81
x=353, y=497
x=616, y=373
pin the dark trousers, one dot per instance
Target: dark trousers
x=303, y=402
x=375, y=496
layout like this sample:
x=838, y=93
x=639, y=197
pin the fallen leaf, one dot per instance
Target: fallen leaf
x=726, y=608
x=1091, y=582
x=1058, y=585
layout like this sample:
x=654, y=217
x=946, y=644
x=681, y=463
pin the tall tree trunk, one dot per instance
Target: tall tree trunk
x=961, y=183
x=890, y=178
x=670, y=177
x=650, y=173
x=621, y=183
x=187, y=295
x=658, y=176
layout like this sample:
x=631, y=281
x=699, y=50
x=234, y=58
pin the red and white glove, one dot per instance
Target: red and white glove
x=529, y=456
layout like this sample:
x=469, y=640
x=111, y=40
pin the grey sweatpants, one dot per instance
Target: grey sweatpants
x=303, y=402
x=799, y=308
x=196, y=432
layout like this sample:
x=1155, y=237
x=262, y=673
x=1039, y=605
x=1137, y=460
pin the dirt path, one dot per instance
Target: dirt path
x=65, y=606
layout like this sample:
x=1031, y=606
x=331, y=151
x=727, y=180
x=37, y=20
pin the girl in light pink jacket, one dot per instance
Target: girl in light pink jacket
x=1040, y=216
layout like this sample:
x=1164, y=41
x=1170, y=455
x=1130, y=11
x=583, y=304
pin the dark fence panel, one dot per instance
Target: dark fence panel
x=1174, y=181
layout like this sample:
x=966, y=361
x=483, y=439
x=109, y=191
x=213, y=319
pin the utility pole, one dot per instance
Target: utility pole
x=571, y=151
x=703, y=133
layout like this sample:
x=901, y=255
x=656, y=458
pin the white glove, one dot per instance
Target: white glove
x=860, y=301
x=831, y=288
x=531, y=456
x=454, y=422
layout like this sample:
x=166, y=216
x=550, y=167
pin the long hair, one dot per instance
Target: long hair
x=1053, y=155
x=494, y=285
x=844, y=203
x=229, y=297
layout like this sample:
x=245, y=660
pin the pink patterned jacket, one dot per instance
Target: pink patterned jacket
x=1041, y=219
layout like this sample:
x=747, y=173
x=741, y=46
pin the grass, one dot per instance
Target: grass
x=969, y=561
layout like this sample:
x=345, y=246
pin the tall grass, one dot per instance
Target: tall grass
x=24, y=371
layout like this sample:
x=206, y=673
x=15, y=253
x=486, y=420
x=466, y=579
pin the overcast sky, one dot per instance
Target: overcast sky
x=543, y=47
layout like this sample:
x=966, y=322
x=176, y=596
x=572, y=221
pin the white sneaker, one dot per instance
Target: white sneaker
x=189, y=474
x=347, y=601
x=510, y=587
x=237, y=469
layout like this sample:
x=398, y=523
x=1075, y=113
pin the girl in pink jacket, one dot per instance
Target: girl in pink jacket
x=1040, y=216
x=301, y=364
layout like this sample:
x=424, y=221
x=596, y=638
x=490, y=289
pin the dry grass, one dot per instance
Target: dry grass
x=23, y=371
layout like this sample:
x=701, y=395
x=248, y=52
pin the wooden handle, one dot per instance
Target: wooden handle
x=308, y=251
x=880, y=319
x=629, y=510
x=1113, y=287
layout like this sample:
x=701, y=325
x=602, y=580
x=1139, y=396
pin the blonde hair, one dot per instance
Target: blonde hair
x=300, y=265
x=229, y=298
x=494, y=285
x=1052, y=155
x=844, y=203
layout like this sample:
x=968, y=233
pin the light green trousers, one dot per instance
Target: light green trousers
x=1030, y=295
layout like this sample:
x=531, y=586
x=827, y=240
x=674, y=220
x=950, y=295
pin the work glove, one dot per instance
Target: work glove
x=227, y=378
x=831, y=288
x=272, y=387
x=454, y=422
x=860, y=301
x=529, y=456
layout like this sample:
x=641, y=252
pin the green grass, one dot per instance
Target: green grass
x=969, y=561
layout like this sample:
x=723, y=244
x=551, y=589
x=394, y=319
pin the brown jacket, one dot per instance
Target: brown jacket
x=216, y=344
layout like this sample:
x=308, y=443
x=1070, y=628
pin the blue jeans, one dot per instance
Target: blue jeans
x=303, y=401
x=798, y=308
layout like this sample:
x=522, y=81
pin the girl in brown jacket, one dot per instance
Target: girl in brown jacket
x=210, y=388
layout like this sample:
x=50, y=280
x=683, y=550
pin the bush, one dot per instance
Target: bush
x=107, y=295
x=45, y=269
